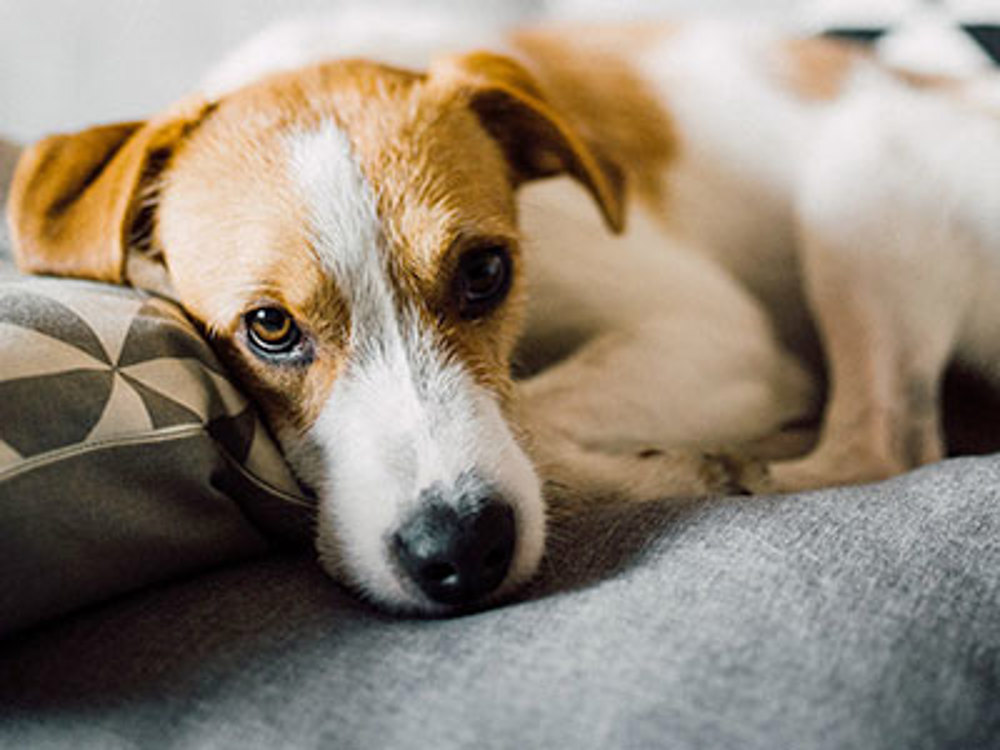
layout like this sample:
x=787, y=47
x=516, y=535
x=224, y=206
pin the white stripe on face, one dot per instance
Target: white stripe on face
x=342, y=218
x=402, y=416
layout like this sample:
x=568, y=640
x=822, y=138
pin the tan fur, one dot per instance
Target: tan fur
x=414, y=155
x=585, y=74
x=817, y=69
x=75, y=199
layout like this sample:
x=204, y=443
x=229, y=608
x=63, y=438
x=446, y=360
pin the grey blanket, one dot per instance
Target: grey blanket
x=851, y=618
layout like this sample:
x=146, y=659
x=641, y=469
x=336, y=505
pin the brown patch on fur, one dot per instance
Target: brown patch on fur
x=536, y=138
x=233, y=226
x=443, y=186
x=586, y=73
x=815, y=68
x=928, y=81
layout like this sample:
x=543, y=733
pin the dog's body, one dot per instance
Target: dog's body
x=857, y=204
x=349, y=234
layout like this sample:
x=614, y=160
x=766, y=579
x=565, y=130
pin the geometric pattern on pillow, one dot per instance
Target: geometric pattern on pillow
x=84, y=364
x=127, y=456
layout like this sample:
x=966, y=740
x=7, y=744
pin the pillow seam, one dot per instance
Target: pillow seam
x=161, y=435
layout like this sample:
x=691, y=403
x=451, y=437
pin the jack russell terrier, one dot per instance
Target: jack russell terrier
x=361, y=243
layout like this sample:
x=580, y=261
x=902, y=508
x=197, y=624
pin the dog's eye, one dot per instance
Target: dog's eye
x=271, y=330
x=482, y=280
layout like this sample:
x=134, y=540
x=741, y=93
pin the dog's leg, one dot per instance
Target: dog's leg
x=640, y=414
x=885, y=368
x=575, y=476
x=888, y=263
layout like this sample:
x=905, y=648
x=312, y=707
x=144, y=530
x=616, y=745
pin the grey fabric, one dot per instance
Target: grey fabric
x=852, y=618
x=126, y=455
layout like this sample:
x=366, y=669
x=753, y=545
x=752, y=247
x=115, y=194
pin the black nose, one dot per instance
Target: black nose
x=457, y=557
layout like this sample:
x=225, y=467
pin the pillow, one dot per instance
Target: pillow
x=126, y=455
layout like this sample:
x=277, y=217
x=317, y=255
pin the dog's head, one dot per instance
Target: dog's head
x=347, y=236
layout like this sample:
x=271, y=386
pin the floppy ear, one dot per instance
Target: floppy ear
x=537, y=141
x=79, y=202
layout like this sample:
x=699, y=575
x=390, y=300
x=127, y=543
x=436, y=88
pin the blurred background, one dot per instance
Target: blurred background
x=65, y=64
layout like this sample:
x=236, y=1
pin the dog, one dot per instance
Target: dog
x=372, y=249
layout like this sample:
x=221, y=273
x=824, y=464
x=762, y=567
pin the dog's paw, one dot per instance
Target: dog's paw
x=820, y=470
x=575, y=475
x=732, y=474
x=687, y=473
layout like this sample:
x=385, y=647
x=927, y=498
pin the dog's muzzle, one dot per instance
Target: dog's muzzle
x=457, y=555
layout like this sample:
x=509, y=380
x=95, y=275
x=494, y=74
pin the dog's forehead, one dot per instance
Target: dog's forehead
x=432, y=169
x=416, y=143
x=294, y=177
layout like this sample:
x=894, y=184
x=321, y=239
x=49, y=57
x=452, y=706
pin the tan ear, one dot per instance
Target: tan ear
x=78, y=201
x=538, y=142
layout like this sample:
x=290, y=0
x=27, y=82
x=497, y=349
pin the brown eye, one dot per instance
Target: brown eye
x=271, y=331
x=482, y=280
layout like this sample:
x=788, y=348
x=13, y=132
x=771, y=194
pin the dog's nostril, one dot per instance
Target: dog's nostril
x=497, y=557
x=457, y=557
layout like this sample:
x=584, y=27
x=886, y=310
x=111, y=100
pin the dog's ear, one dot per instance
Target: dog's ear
x=537, y=141
x=78, y=203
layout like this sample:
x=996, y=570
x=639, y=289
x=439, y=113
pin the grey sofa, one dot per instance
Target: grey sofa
x=851, y=618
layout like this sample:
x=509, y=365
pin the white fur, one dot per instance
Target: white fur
x=931, y=41
x=343, y=220
x=677, y=353
x=904, y=183
x=730, y=189
x=402, y=416
x=401, y=423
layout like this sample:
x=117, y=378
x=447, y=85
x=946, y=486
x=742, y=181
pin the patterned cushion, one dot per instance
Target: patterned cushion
x=126, y=455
